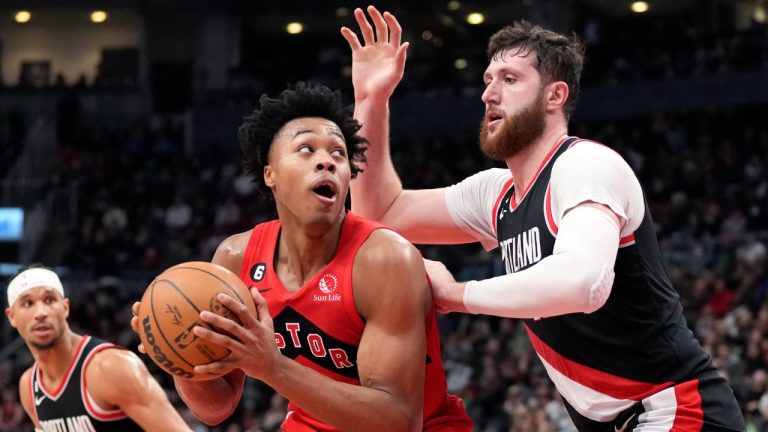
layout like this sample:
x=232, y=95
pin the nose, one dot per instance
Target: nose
x=490, y=94
x=325, y=163
x=40, y=311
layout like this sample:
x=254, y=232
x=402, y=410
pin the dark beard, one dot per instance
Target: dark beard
x=517, y=133
x=46, y=346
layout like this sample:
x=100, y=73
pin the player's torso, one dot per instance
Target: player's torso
x=319, y=325
x=639, y=334
x=69, y=407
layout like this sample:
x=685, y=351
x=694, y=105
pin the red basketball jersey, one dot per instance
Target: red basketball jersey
x=320, y=327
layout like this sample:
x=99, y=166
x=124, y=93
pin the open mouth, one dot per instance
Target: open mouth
x=493, y=117
x=325, y=190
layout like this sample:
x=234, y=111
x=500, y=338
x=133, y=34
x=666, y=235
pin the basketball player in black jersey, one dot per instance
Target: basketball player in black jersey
x=79, y=383
x=577, y=239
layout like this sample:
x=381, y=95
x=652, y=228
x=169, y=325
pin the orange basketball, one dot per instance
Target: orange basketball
x=170, y=309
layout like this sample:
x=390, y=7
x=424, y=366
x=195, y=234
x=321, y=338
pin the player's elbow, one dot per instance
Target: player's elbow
x=594, y=288
x=213, y=418
x=411, y=422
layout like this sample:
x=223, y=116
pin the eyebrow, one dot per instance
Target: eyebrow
x=332, y=131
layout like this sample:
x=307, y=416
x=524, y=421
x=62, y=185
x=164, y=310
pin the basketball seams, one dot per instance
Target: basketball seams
x=157, y=322
x=186, y=290
x=226, y=284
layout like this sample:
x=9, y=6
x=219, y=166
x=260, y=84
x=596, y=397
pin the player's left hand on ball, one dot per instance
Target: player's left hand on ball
x=135, y=324
x=251, y=342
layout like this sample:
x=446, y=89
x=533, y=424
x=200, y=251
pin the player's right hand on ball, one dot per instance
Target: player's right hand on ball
x=135, y=324
x=250, y=339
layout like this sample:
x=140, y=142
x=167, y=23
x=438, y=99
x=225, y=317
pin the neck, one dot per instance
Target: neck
x=304, y=250
x=525, y=164
x=54, y=362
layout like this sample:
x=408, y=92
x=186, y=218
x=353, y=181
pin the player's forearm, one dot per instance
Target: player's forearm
x=347, y=407
x=577, y=277
x=375, y=189
x=212, y=401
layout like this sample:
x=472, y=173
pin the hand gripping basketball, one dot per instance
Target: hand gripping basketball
x=172, y=308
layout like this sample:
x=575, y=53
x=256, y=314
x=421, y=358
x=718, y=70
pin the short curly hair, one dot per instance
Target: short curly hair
x=258, y=130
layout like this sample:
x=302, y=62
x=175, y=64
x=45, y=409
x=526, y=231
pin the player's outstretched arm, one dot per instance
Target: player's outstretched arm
x=391, y=294
x=378, y=63
x=116, y=378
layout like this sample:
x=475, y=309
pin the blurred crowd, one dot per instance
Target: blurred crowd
x=144, y=198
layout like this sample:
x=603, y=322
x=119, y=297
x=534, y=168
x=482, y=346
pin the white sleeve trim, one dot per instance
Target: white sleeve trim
x=577, y=277
x=593, y=172
x=471, y=201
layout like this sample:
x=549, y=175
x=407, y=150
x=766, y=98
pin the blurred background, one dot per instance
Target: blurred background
x=118, y=158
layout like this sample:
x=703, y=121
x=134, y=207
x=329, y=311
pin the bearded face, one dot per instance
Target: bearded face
x=516, y=133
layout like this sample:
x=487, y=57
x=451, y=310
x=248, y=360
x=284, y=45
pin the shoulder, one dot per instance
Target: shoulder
x=231, y=251
x=112, y=365
x=585, y=156
x=389, y=271
x=385, y=248
x=24, y=382
x=492, y=178
x=234, y=244
x=112, y=360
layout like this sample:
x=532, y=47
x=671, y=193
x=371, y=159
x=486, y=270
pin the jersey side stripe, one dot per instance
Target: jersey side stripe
x=611, y=385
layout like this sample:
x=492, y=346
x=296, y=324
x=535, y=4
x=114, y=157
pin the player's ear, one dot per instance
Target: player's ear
x=269, y=176
x=556, y=95
x=66, y=307
x=9, y=314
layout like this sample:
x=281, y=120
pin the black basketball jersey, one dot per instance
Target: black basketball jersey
x=637, y=344
x=69, y=408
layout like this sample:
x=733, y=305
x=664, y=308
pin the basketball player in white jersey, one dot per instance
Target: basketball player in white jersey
x=576, y=235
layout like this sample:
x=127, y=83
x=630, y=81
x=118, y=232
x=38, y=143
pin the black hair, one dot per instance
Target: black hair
x=258, y=130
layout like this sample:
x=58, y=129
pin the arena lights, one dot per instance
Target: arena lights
x=22, y=17
x=460, y=63
x=639, y=7
x=294, y=27
x=475, y=18
x=759, y=14
x=342, y=12
x=454, y=5
x=98, y=16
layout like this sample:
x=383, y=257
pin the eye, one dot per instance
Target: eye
x=50, y=300
x=510, y=79
x=26, y=303
x=339, y=152
x=305, y=149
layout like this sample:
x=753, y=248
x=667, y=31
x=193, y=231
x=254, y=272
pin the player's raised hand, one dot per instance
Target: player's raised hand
x=251, y=342
x=378, y=63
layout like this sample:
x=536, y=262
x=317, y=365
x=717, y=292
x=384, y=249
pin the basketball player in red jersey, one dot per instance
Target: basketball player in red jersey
x=79, y=383
x=577, y=239
x=345, y=328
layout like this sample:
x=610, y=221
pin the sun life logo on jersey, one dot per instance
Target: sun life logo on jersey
x=328, y=285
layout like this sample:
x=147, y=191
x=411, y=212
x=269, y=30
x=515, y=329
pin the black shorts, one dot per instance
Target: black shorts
x=705, y=404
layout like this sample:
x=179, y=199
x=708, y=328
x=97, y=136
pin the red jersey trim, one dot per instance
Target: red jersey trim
x=65, y=381
x=513, y=203
x=689, y=415
x=504, y=191
x=94, y=410
x=608, y=384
